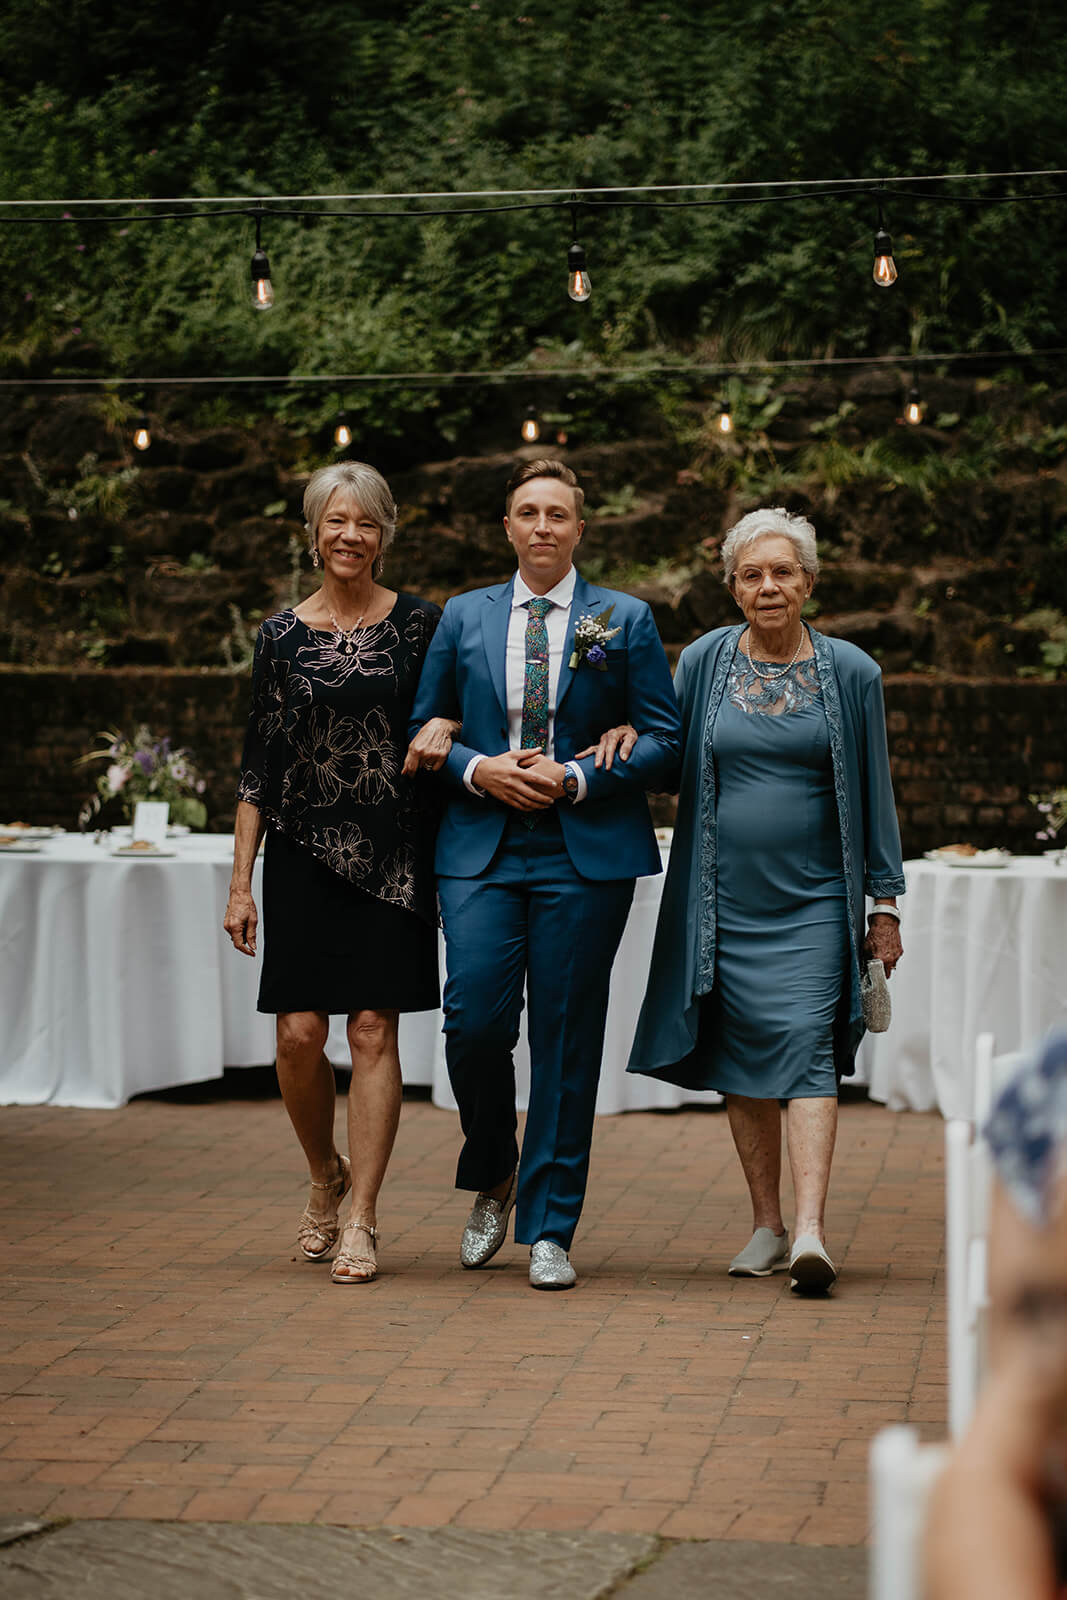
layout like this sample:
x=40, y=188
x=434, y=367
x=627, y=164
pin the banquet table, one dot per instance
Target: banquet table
x=116, y=978
x=985, y=950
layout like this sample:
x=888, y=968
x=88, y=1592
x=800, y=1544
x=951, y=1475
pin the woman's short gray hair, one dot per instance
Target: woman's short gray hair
x=366, y=486
x=770, y=520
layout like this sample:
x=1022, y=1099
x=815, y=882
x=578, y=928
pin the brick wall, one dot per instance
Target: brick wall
x=965, y=754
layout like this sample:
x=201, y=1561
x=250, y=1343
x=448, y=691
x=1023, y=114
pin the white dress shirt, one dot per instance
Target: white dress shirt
x=556, y=623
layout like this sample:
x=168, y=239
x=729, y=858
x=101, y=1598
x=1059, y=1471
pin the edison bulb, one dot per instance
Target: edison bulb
x=579, y=286
x=531, y=427
x=726, y=421
x=885, y=268
x=142, y=438
x=262, y=288
x=913, y=409
x=342, y=435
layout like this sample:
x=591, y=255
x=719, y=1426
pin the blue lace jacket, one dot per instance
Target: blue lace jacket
x=683, y=956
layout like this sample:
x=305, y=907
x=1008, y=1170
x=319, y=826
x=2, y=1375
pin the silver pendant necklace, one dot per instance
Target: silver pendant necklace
x=770, y=676
x=346, y=637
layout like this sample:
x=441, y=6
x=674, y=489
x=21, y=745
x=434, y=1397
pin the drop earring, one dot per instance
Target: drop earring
x=378, y=565
x=315, y=556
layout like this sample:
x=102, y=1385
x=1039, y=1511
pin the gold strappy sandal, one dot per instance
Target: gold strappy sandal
x=356, y=1266
x=317, y=1235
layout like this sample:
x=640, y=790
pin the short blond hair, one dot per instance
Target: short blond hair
x=365, y=484
x=545, y=468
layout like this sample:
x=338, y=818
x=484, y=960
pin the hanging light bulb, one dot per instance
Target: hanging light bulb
x=578, y=285
x=531, y=426
x=342, y=433
x=142, y=434
x=724, y=421
x=913, y=407
x=262, y=288
x=885, y=268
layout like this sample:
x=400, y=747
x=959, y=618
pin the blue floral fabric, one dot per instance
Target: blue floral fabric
x=325, y=743
x=1027, y=1128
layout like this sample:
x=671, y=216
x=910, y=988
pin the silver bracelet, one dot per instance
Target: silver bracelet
x=884, y=911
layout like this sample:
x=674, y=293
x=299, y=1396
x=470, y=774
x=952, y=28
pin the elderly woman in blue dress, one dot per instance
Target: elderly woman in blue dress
x=785, y=822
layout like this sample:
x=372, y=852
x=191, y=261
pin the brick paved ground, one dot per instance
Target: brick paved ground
x=164, y=1355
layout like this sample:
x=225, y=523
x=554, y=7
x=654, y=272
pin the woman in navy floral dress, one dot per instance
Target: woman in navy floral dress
x=349, y=904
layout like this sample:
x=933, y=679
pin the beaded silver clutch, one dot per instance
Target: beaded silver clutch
x=874, y=997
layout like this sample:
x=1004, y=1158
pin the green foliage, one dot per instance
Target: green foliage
x=1053, y=647
x=105, y=495
x=408, y=95
x=616, y=503
x=239, y=645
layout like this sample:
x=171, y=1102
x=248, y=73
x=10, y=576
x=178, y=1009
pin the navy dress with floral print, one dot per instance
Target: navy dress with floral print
x=325, y=744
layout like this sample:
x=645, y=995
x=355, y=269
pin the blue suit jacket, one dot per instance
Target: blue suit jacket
x=608, y=834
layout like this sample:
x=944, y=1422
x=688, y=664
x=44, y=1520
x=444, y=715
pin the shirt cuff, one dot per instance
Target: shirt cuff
x=468, y=777
x=583, y=787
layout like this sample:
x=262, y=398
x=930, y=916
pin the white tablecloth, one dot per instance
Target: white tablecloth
x=985, y=950
x=116, y=978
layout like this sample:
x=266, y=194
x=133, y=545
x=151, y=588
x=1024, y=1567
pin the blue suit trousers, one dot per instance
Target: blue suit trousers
x=529, y=920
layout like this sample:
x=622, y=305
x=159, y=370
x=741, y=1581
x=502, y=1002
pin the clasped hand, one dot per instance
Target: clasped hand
x=524, y=779
x=530, y=781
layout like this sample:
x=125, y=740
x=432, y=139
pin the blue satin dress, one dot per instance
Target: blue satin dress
x=782, y=941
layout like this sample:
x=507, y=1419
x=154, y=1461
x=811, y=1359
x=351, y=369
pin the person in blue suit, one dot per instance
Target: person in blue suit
x=541, y=839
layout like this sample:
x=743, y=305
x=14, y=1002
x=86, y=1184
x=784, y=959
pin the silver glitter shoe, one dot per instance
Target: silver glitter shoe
x=487, y=1226
x=765, y=1252
x=550, y=1266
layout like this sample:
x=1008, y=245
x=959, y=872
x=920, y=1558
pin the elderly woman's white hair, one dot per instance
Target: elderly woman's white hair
x=366, y=486
x=770, y=520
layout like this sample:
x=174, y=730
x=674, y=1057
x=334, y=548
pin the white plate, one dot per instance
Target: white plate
x=128, y=853
x=175, y=830
x=981, y=858
x=20, y=847
x=29, y=833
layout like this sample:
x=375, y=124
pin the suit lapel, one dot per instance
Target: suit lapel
x=587, y=601
x=496, y=614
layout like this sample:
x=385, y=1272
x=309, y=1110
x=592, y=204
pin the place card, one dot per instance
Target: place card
x=150, y=822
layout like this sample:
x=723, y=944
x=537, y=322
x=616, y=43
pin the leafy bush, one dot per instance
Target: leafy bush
x=406, y=96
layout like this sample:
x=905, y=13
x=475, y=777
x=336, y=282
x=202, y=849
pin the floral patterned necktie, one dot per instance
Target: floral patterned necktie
x=534, y=731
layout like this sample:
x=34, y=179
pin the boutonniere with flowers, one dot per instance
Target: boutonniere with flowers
x=591, y=634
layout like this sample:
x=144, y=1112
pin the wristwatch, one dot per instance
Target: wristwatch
x=570, y=785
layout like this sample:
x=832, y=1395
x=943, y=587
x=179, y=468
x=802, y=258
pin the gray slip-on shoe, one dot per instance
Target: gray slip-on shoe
x=550, y=1266
x=487, y=1226
x=765, y=1252
x=810, y=1269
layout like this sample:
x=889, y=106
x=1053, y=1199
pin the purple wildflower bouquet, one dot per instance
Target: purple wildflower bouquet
x=1053, y=809
x=146, y=768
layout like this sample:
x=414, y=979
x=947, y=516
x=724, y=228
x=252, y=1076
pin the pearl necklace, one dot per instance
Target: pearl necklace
x=769, y=677
x=345, y=636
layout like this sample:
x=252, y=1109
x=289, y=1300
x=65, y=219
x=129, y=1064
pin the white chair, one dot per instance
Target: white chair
x=967, y=1178
x=968, y=1185
x=901, y=1474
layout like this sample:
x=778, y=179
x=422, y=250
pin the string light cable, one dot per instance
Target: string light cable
x=639, y=196
x=533, y=374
